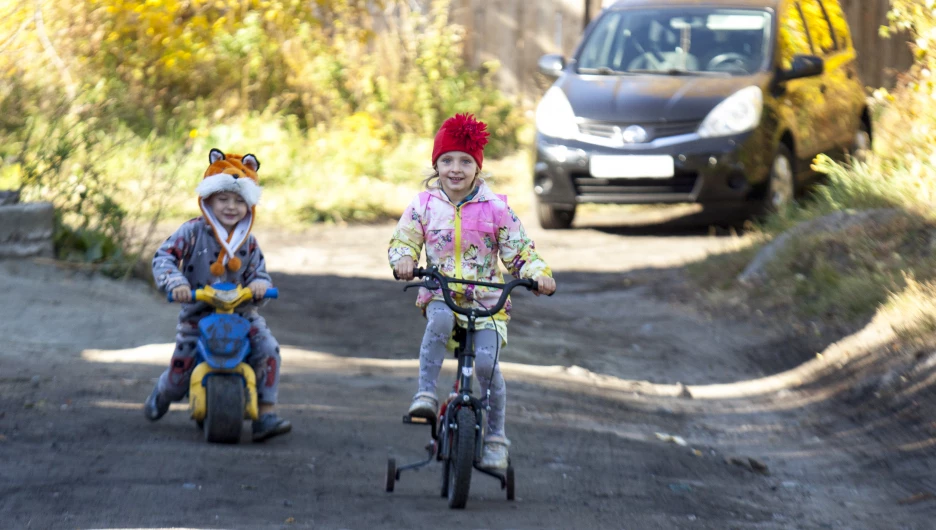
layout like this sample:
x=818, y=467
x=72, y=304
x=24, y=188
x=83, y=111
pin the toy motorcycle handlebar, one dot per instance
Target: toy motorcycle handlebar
x=272, y=292
x=432, y=274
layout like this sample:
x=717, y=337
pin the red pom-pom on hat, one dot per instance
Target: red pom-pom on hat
x=461, y=132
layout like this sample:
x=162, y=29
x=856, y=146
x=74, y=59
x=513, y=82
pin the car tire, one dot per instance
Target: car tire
x=781, y=184
x=554, y=217
x=861, y=145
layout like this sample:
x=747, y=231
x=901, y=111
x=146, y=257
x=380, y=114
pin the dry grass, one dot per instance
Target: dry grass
x=912, y=311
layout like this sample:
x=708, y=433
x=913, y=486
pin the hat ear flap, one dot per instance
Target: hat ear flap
x=251, y=162
x=214, y=155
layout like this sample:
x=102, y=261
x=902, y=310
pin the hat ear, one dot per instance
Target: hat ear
x=214, y=155
x=251, y=162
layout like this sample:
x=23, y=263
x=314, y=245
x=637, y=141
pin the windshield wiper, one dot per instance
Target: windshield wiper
x=603, y=70
x=679, y=72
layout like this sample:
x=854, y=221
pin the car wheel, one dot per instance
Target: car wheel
x=553, y=216
x=861, y=145
x=781, y=189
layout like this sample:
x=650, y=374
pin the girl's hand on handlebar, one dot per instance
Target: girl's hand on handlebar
x=258, y=288
x=182, y=293
x=404, y=268
x=544, y=285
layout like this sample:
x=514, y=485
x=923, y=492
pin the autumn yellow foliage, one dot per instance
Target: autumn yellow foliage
x=120, y=100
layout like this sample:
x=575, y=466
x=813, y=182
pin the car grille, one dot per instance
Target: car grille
x=607, y=130
x=680, y=187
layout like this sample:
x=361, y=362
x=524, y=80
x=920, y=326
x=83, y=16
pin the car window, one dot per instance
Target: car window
x=794, y=39
x=689, y=40
x=839, y=23
x=819, y=26
x=602, y=52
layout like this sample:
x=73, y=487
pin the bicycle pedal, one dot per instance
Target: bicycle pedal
x=416, y=420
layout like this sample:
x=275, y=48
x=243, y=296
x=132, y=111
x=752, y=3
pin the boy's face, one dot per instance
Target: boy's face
x=228, y=207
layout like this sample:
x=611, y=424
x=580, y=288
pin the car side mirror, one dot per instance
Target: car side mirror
x=552, y=64
x=804, y=66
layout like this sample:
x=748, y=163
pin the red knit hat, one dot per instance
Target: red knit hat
x=461, y=132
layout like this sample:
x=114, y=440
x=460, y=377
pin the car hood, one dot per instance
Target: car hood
x=651, y=98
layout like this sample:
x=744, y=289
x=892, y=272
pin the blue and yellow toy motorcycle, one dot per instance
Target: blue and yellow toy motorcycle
x=223, y=388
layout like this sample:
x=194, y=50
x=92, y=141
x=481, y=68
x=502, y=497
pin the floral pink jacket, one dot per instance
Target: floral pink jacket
x=464, y=242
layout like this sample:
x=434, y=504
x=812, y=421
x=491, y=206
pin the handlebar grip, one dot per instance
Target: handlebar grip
x=418, y=272
x=272, y=292
x=535, y=287
x=169, y=296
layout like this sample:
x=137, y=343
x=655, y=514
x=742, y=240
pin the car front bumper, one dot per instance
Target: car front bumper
x=719, y=171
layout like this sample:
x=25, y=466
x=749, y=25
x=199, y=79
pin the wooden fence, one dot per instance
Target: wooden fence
x=517, y=32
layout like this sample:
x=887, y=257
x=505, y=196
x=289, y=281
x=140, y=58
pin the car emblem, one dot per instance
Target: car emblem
x=634, y=134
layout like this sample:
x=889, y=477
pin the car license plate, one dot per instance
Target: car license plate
x=632, y=166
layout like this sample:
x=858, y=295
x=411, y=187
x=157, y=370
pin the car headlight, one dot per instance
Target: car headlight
x=554, y=115
x=741, y=112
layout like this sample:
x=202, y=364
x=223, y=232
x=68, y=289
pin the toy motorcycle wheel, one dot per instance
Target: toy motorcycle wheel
x=391, y=474
x=510, y=483
x=225, y=417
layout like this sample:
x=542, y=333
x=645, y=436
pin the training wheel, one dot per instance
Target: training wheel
x=391, y=473
x=510, y=483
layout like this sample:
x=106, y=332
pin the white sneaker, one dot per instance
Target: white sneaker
x=425, y=405
x=494, y=455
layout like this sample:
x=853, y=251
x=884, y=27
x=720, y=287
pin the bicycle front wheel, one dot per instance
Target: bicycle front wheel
x=461, y=458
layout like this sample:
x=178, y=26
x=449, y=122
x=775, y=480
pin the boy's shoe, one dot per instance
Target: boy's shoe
x=268, y=426
x=425, y=405
x=494, y=455
x=155, y=406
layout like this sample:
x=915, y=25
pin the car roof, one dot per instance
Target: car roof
x=623, y=4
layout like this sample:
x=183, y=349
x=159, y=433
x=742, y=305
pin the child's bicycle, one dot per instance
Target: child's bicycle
x=223, y=388
x=457, y=441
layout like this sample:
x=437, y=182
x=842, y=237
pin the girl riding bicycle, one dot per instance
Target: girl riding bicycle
x=464, y=226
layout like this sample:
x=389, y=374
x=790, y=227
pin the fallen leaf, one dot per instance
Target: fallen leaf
x=290, y=520
x=919, y=497
x=759, y=466
x=672, y=439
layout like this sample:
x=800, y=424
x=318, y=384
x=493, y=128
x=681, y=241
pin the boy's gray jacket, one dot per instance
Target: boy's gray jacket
x=186, y=257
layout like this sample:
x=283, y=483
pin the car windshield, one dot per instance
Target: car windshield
x=684, y=41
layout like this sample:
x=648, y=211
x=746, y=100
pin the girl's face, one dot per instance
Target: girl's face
x=228, y=207
x=457, y=173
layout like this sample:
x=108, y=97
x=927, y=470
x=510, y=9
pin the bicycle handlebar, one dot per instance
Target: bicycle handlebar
x=441, y=282
x=272, y=292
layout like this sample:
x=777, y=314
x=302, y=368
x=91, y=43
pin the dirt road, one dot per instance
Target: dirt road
x=594, y=375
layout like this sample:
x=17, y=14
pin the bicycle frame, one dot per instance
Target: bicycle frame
x=440, y=444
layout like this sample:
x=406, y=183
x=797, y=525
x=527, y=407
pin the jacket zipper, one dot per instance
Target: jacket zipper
x=458, y=242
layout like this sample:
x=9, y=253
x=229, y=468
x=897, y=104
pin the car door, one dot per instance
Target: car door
x=827, y=107
x=800, y=99
x=847, y=90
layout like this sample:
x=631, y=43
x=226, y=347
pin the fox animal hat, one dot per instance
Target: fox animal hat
x=461, y=132
x=238, y=174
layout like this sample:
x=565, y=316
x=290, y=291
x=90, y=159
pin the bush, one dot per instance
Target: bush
x=103, y=104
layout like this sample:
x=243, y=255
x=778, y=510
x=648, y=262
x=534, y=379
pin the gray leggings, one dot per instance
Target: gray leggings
x=486, y=341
